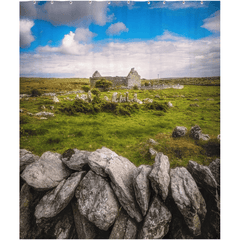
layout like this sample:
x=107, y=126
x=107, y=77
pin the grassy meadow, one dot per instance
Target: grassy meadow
x=127, y=135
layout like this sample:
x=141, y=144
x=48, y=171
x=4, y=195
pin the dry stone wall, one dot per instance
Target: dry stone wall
x=82, y=195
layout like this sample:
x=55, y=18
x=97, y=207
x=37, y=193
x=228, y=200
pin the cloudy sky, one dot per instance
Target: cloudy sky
x=165, y=40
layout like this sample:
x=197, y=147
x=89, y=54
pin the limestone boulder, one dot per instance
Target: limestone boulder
x=96, y=200
x=75, y=159
x=179, y=131
x=169, y=104
x=55, y=99
x=84, y=228
x=159, y=175
x=46, y=173
x=141, y=186
x=45, y=114
x=196, y=133
x=124, y=227
x=152, y=152
x=98, y=160
x=26, y=158
x=114, y=97
x=188, y=199
x=120, y=171
x=214, y=167
x=157, y=221
x=57, y=199
x=203, y=177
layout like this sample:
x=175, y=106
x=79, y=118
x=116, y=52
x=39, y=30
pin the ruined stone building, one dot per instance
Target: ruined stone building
x=132, y=79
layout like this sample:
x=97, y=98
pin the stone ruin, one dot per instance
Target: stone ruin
x=99, y=194
x=131, y=80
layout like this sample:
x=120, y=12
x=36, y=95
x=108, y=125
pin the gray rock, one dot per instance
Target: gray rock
x=194, y=105
x=214, y=167
x=96, y=201
x=170, y=104
x=219, y=137
x=89, y=96
x=203, y=177
x=188, y=199
x=57, y=199
x=152, y=151
x=98, y=160
x=51, y=107
x=124, y=227
x=84, y=228
x=135, y=97
x=147, y=100
x=126, y=97
x=106, y=98
x=43, y=118
x=179, y=131
x=46, y=114
x=114, y=97
x=43, y=107
x=55, y=99
x=157, y=221
x=26, y=158
x=159, y=176
x=152, y=141
x=196, y=133
x=45, y=173
x=120, y=171
x=141, y=186
x=75, y=159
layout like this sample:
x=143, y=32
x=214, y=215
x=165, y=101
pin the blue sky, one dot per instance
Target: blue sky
x=74, y=40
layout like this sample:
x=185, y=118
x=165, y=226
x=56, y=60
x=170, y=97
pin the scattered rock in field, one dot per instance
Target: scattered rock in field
x=135, y=97
x=157, y=221
x=21, y=110
x=75, y=159
x=141, y=186
x=98, y=160
x=43, y=107
x=106, y=98
x=46, y=114
x=139, y=101
x=83, y=97
x=51, y=107
x=194, y=105
x=196, y=133
x=30, y=114
x=114, y=97
x=47, y=172
x=152, y=141
x=89, y=96
x=49, y=94
x=157, y=96
x=55, y=99
x=26, y=158
x=219, y=137
x=126, y=97
x=57, y=199
x=77, y=97
x=196, y=99
x=169, y=104
x=188, y=199
x=84, y=228
x=96, y=201
x=147, y=100
x=43, y=118
x=152, y=151
x=120, y=171
x=214, y=167
x=159, y=176
x=179, y=131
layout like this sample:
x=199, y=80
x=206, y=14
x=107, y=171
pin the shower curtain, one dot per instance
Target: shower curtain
x=119, y=119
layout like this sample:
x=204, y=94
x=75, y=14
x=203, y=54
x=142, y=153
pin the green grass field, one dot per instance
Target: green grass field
x=126, y=135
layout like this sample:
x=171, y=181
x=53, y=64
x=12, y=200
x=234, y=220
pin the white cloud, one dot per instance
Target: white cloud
x=117, y=28
x=70, y=46
x=80, y=12
x=83, y=35
x=168, y=55
x=26, y=37
x=213, y=22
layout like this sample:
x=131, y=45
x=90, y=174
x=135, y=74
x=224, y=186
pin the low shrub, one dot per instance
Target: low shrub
x=35, y=93
x=85, y=88
x=96, y=92
x=135, y=87
x=157, y=106
x=53, y=140
x=104, y=84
